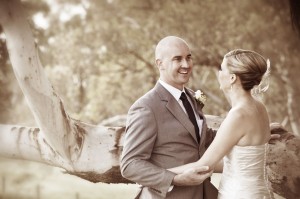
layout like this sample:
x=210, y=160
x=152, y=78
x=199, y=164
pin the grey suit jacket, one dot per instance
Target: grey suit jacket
x=159, y=135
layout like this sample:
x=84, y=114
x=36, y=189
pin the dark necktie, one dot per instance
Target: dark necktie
x=190, y=113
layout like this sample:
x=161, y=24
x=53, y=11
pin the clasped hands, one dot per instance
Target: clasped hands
x=196, y=174
x=193, y=176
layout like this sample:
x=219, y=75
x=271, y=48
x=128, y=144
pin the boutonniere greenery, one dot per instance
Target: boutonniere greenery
x=200, y=97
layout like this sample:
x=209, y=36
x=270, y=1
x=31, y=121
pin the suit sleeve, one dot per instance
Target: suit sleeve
x=141, y=133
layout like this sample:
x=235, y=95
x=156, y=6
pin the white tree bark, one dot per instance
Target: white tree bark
x=99, y=155
x=60, y=140
x=58, y=128
x=88, y=151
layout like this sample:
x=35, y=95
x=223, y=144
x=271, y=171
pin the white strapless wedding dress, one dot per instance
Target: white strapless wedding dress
x=244, y=174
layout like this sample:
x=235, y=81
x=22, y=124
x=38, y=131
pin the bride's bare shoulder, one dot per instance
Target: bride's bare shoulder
x=235, y=118
x=239, y=117
x=238, y=112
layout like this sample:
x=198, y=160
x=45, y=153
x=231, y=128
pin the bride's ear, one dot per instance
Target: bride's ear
x=233, y=78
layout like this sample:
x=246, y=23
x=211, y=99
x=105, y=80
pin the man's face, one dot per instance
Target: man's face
x=176, y=64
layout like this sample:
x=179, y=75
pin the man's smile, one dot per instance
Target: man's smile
x=183, y=71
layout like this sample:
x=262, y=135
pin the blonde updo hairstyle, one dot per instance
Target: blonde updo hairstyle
x=249, y=66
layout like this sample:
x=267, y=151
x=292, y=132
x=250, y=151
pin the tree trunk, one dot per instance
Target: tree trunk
x=283, y=163
x=40, y=96
x=88, y=151
x=291, y=105
x=59, y=139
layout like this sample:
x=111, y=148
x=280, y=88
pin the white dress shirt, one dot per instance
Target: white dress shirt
x=176, y=93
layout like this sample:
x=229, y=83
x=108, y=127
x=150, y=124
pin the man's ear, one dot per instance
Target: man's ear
x=158, y=63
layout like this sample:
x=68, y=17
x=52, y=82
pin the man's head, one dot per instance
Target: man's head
x=174, y=61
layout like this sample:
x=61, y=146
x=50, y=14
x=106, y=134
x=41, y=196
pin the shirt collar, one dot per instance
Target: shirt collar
x=174, y=91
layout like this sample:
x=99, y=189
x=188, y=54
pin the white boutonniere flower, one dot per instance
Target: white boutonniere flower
x=200, y=97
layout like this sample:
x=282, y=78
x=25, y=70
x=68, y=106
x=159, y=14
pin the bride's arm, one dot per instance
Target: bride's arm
x=228, y=135
x=219, y=167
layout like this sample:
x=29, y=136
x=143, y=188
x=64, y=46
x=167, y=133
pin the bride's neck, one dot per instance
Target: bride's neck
x=239, y=96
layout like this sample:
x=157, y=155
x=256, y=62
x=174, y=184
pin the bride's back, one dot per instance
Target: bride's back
x=255, y=124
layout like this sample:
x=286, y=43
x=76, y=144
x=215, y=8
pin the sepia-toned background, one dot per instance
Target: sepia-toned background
x=99, y=56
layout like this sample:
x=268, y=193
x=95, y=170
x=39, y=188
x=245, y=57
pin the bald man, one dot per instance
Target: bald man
x=160, y=135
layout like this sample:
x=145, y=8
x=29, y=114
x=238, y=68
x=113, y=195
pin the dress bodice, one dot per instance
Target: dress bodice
x=244, y=174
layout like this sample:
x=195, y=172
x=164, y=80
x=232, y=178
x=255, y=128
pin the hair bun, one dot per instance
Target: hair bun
x=264, y=84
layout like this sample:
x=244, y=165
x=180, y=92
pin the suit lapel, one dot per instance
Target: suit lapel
x=175, y=109
x=195, y=104
x=199, y=111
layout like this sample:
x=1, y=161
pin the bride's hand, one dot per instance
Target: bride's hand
x=276, y=131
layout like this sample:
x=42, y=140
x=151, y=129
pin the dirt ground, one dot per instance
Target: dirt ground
x=29, y=180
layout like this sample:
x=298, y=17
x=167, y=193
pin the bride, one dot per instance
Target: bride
x=241, y=141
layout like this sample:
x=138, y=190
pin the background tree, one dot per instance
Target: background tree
x=116, y=49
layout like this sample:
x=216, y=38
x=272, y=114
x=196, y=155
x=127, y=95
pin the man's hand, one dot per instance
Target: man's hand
x=191, y=177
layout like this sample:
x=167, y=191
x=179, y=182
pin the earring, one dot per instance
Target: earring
x=231, y=87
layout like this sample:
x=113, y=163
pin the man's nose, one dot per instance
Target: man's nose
x=185, y=63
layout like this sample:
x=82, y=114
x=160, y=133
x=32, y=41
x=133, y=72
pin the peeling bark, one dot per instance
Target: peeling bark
x=99, y=154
